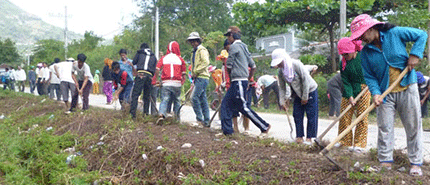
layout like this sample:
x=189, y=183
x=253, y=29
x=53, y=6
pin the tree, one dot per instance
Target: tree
x=179, y=18
x=8, y=52
x=89, y=43
x=215, y=42
x=304, y=14
x=47, y=51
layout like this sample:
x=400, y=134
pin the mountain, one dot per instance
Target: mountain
x=25, y=28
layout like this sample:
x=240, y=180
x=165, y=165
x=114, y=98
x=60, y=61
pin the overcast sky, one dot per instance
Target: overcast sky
x=105, y=17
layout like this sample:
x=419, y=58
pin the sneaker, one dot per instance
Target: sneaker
x=415, y=171
x=159, y=121
x=337, y=145
x=358, y=150
x=299, y=140
x=68, y=112
x=350, y=148
x=308, y=142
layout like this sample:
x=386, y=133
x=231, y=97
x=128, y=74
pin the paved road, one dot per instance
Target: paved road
x=280, y=128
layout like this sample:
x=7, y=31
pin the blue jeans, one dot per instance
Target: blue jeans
x=311, y=109
x=125, y=93
x=200, y=101
x=235, y=101
x=170, y=94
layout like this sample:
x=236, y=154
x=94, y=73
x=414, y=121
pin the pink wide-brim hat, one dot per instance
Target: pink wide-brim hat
x=361, y=24
x=346, y=45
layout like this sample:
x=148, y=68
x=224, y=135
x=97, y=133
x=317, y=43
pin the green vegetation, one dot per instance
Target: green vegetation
x=113, y=149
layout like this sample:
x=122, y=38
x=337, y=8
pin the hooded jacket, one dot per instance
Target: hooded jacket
x=172, y=66
x=200, y=62
x=145, y=61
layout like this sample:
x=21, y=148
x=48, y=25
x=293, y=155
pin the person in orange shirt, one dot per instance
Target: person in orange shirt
x=223, y=57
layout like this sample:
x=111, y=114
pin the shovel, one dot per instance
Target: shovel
x=289, y=121
x=356, y=121
x=318, y=140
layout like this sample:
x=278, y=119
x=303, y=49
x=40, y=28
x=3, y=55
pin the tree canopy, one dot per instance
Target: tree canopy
x=311, y=14
x=8, y=52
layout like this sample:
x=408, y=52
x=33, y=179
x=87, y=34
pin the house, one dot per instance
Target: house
x=270, y=43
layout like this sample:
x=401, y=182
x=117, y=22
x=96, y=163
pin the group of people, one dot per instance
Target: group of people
x=377, y=66
x=10, y=77
x=372, y=69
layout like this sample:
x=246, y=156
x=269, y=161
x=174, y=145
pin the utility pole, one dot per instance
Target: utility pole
x=65, y=30
x=65, y=34
x=157, y=20
x=343, y=20
x=343, y=17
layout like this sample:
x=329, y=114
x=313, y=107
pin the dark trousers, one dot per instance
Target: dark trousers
x=424, y=110
x=40, y=87
x=85, y=96
x=21, y=86
x=142, y=82
x=252, y=96
x=335, y=100
x=272, y=87
x=32, y=85
x=311, y=109
x=235, y=101
x=6, y=84
x=12, y=85
x=154, y=95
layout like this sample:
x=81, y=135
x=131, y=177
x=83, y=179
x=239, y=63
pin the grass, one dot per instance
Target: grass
x=31, y=154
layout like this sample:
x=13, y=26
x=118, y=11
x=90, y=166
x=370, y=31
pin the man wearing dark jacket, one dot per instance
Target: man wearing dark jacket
x=145, y=62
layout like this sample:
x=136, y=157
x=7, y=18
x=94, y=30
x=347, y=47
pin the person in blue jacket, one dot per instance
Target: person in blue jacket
x=383, y=58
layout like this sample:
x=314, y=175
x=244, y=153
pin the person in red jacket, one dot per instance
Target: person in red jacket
x=173, y=75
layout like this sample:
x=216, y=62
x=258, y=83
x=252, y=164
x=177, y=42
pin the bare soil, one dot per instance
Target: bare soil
x=113, y=144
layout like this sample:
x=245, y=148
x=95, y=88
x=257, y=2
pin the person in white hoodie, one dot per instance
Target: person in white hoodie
x=20, y=78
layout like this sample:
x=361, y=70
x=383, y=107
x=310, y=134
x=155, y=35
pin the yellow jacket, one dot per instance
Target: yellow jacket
x=201, y=63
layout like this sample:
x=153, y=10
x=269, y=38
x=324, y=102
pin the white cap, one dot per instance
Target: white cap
x=279, y=55
x=194, y=35
x=70, y=59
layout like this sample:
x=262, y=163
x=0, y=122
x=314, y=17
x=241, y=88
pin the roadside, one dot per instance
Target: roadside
x=42, y=145
x=280, y=128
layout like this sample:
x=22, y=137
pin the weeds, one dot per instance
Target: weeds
x=112, y=146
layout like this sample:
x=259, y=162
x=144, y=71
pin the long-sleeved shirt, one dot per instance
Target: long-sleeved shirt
x=238, y=61
x=200, y=62
x=302, y=83
x=352, y=77
x=376, y=62
x=20, y=75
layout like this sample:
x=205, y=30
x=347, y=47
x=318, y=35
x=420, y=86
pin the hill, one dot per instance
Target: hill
x=25, y=28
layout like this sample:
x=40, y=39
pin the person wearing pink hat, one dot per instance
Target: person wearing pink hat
x=353, y=84
x=382, y=59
